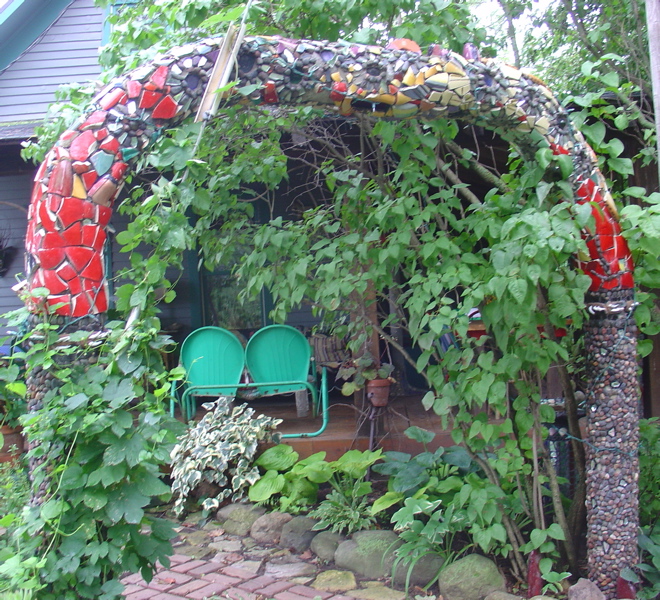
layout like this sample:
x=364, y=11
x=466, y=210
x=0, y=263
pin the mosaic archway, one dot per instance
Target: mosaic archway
x=81, y=176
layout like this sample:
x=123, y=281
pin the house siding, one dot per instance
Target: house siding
x=66, y=52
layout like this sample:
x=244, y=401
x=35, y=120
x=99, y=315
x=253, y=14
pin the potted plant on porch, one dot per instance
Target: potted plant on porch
x=367, y=372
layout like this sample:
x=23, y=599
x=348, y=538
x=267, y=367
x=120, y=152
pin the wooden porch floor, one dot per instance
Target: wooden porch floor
x=349, y=428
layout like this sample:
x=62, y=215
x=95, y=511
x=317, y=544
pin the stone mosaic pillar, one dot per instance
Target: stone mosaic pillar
x=77, y=184
x=612, y=438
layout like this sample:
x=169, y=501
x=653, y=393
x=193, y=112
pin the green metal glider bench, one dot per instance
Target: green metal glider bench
x=277, y=358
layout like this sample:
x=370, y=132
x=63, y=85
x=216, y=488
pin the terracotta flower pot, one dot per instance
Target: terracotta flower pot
x=378, y=391
x=13, y=436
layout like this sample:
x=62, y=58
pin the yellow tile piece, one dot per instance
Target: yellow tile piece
x=352, y=89
x=401, y=98
x=346, y=108
x=430, y=71
x=440, y=79
x=323, y=79
x=461, y=85
x=405, y=110
x=510, y=72
x=450, y=67
x=435, y=96
x=420, y=79
x=542, y=125
x=395, y=82
x=336, y=76
x=435, y=60
x=375, y=49
x=447, y=97
x=78, y=188
x=349, y=77
x=409, y=77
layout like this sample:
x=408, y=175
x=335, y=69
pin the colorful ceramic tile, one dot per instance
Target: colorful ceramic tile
x=82, y=146
x=94, y=269
x=72, y=235
x=160, y=76
x=49, y=258
x=103, y=192
x=102, y=161
x=133, y=88
x=78, y=190
x=149, y=99
x=113, y=97
x=61, y=178
x=165, y=109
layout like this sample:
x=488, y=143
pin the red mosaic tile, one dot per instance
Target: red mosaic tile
x=83, y=146
x=61, y=179
x=149, y=99
x=133, y=88
x=113, y=97
x=118, y=170
x=110, y=144
x=89, y=178
x=93, y=121
x=64, y=302
x=45, y=218
x=338, y=92
x=269, y=93
x=50, y=257
x=101, y=300
x=93, y=236
x=94, y=269
x=101, y=134
x=79, y=256
x=165, y=109
x=72, y=235
x=81, y=305
x=75, y=286
x=50, y=280
x=65, y=272
x=104, y=214
x=53, y=240
x=81, y=167
x=60, y=152
x=159, y=76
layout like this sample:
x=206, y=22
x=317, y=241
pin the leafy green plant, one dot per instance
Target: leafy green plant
x=649, y=472
x=293, y=485
x=99, y=442
x=345, y=510
x=649, y=582
x=219, y=450
x=14, y=488
x=287, y=483
x=358, y=371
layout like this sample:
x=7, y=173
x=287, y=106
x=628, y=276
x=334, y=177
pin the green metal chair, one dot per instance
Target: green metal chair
x=278, y=358
x=214, y=360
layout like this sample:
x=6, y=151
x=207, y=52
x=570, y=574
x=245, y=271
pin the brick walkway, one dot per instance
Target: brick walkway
x=204, y=579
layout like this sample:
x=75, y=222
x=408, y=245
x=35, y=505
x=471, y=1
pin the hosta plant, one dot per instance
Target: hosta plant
x=220, y=451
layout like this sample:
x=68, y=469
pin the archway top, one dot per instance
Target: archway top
x=76, y=185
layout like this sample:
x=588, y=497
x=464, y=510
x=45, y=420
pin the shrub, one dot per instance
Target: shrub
x=219, y=450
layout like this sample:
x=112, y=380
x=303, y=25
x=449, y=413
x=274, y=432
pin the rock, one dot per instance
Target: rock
x=378, y=592
x=470, y=578
x=196, y=552
x=237, y=518
x=196, y=538
x=423, y=572
x=369, y=553
x=267, y=529
x=585, y=590
x=506, y=596
x=335, y=581
x=249, y=565
x=226, y=545
x=325, y=544
x=285, y=568
x=297, y=534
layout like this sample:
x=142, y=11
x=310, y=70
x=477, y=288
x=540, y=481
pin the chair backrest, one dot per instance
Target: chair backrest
x=213, y=356
x=278, y=353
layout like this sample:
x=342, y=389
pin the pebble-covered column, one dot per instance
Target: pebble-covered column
x=612, y=438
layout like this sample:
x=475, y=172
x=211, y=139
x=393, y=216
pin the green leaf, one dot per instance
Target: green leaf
x=556, y=532
x=278, y=458
x=420, y=435
x=518, y=289
x=270, y=484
